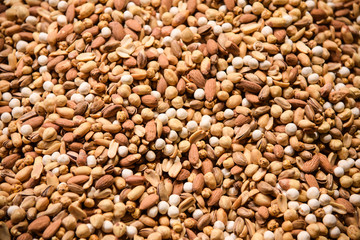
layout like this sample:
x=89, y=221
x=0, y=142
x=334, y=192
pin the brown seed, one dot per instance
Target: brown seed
x=215, y=197
x=39, y=224
x=104, y=182
x=210, y=89
x=52, y=229
x=133, y=25
x=149, y=201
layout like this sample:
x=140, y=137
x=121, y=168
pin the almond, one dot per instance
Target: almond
x=318, y=14
x=52, y=229
x=63, y=66
x=167, y=4
x=194, y=154
x=149, y=201
x=325, y=164
x=263, y=212
x=198, y=183
x=81, y=159
x=183, y=175
x=149, y=101
x=176, y=49
x=197, y=77
x=9, y=161
x=79, y=179
x=204, y=221
x=104, y=182
x=34, y=122
x=117, y=29
x=210, y=89
x=180, y=18
x=135, y=180
x=236, y=170
x=128, y=125
x=62, y=122
x=130, y=160
x=97, y=42
x=178, y=188
x=311, y=181
x=293, y=75
x=120, y=4
x=161, y=86
x=181, y=86
x=81, y=108
x=150, y=131
x=311, y=165
x=247, y=18
x=191, y=6
x=133, y=25
x=163, y=61
x=39, y=224
x=70, y=13
x=297, y=103
x=280, y=35
x=250, y=86
x=191, y=234
x=64, y=32
x=25, y=236
x=212, y=47
x=96, y=106
x=215, y=197
x=110, y=111
x=242, y=119
x=207, y=166
x=122, y=139
x=5, y=109
x=230, y=4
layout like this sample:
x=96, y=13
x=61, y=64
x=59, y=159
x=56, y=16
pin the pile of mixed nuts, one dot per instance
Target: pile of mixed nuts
x=179, y=119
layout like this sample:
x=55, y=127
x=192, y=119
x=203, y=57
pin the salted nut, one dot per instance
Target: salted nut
x=164, y=119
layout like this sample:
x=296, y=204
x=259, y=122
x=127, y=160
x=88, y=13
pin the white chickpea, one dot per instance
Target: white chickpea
x=126, y=173
x=91, y=161
x=131, y=231
x=61, y=19
x=150, y=156
x=313, y=193
x=62, y=6
x=173, y=211
x=199, y=94
x=188, y=187
x=303, y=236
x=219, y=225
x=106, y=32
x=174, y=199
x=6, y=117
x=292, y=194
x=329, y=220
x=268, y=235
x=163, y=207
x=26, y=130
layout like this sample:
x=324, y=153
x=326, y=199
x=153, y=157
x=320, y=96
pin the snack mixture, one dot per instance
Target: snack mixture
x=170, y=119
